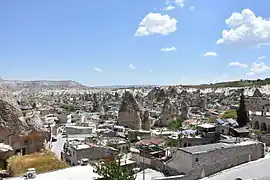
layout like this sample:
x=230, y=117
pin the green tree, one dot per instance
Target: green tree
x=242, y=116
x=113, y=171
x=175, y=125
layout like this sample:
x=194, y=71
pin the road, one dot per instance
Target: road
x=57, y=146
x=251, y=170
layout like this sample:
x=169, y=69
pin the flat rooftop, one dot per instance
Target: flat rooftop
x=212, y=147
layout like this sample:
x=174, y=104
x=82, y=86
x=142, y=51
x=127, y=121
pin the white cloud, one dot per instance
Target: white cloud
x=210, y=54
x=262, y=57
x=156, y=23
x=180, y=3
x=171, y=49
x=131, y=66
x=258, y=68
x=98, y=70
x=238, y=64
x=191, y=8
x=246, y=28
x=168, y=8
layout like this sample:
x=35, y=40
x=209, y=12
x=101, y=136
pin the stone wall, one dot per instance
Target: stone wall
x=208, y=163
x=215, y=161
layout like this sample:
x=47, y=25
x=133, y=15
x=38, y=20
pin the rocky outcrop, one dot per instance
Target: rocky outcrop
x=172, y=92
x=10, y=113
x=11, y=120
x=160, y=95
x=257, y=93
x=157, y=94
x=129, y=112
x=169, y=112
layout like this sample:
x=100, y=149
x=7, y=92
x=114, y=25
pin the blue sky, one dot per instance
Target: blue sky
x=135, y=41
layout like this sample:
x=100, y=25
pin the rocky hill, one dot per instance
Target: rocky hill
x=17, y=84
x=240, y=83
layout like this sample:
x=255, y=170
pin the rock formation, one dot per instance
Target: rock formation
x=172, y=92
x=146, y=122
x=160, y=94
x=169, y=112
x=11, y=120
x=184, y=110
x=129, y=112
x=257, y=93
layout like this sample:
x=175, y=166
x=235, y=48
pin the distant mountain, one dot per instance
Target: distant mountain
x=240, y=83
x=124, y=86
x=16, y=84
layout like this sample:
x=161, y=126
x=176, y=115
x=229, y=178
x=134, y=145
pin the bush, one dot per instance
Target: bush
x=42, y=162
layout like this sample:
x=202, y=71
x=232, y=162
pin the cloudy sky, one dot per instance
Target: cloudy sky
x=135, y=41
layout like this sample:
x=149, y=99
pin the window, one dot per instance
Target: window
x=197, y=159
x=25, y=142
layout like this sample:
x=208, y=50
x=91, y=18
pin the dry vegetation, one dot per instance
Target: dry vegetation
x=42, y=162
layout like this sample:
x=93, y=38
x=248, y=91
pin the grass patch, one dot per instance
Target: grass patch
x=229, y=114
x=42, y=162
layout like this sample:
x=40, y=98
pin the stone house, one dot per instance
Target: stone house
x=256, y=102
x=200, y=161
